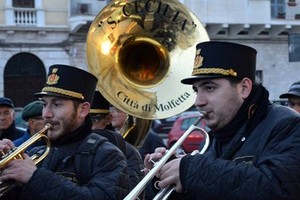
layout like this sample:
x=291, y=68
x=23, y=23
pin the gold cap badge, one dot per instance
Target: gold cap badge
x=53, y=77
x=198, y=59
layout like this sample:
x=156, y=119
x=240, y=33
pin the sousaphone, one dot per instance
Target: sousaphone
x=140, y=50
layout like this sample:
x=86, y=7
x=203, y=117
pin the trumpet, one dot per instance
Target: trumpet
x=16, y=153
x=165, y=193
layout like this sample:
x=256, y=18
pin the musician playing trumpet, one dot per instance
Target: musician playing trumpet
x=72, y=170
x=256, y=144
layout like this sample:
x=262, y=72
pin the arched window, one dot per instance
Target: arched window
x=24, y=75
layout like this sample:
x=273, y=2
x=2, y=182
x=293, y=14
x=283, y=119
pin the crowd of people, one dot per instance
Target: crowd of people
x=253, y=153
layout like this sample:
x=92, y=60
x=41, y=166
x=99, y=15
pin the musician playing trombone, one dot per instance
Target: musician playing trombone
x=255, y=149
x=102, y=174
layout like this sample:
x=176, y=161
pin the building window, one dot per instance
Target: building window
x=23, y=3
x=292, y=3
x=278, y=8
x=294, y=47
x=24, y=75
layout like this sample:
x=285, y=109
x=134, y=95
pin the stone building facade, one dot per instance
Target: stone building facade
x=38, y=33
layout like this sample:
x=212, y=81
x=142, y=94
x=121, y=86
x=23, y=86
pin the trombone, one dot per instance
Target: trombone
x=16, y=153
x=166, y=192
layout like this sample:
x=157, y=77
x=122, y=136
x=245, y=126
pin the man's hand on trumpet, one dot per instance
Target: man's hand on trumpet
x=151, y=159
x=169, y=173
x=19, y=170
x=5, y=146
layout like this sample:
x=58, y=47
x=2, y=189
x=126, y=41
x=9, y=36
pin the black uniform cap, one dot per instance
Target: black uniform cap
x=69, y=82
x=220, y=59
x=100, y=104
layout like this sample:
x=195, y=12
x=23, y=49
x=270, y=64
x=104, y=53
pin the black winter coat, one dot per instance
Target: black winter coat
x=266, y=166
x=133, y=157
x=59, y=179
x=12, y=133
x=134, y=160
x=135, y=165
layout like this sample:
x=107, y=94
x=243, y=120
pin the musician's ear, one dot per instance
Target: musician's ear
x=84, y=109
x=245, y=87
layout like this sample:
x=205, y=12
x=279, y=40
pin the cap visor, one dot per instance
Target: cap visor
x=289, y=94
x=6, y=105
x=191, y=80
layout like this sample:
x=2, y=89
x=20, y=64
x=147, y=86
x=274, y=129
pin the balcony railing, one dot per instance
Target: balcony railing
x=25, y=17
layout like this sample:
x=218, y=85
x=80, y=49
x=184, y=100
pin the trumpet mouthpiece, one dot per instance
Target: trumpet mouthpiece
x=48, y=126
x=202, y=114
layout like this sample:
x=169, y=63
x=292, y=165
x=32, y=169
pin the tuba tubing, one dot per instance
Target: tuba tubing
x=158, y=165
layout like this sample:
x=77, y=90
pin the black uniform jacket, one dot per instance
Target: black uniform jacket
x=266, y=166
x=58, y=178
x=135, y=166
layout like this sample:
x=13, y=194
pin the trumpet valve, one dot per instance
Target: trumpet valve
x=4, y=155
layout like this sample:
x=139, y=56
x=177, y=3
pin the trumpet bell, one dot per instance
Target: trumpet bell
x=139, y=51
